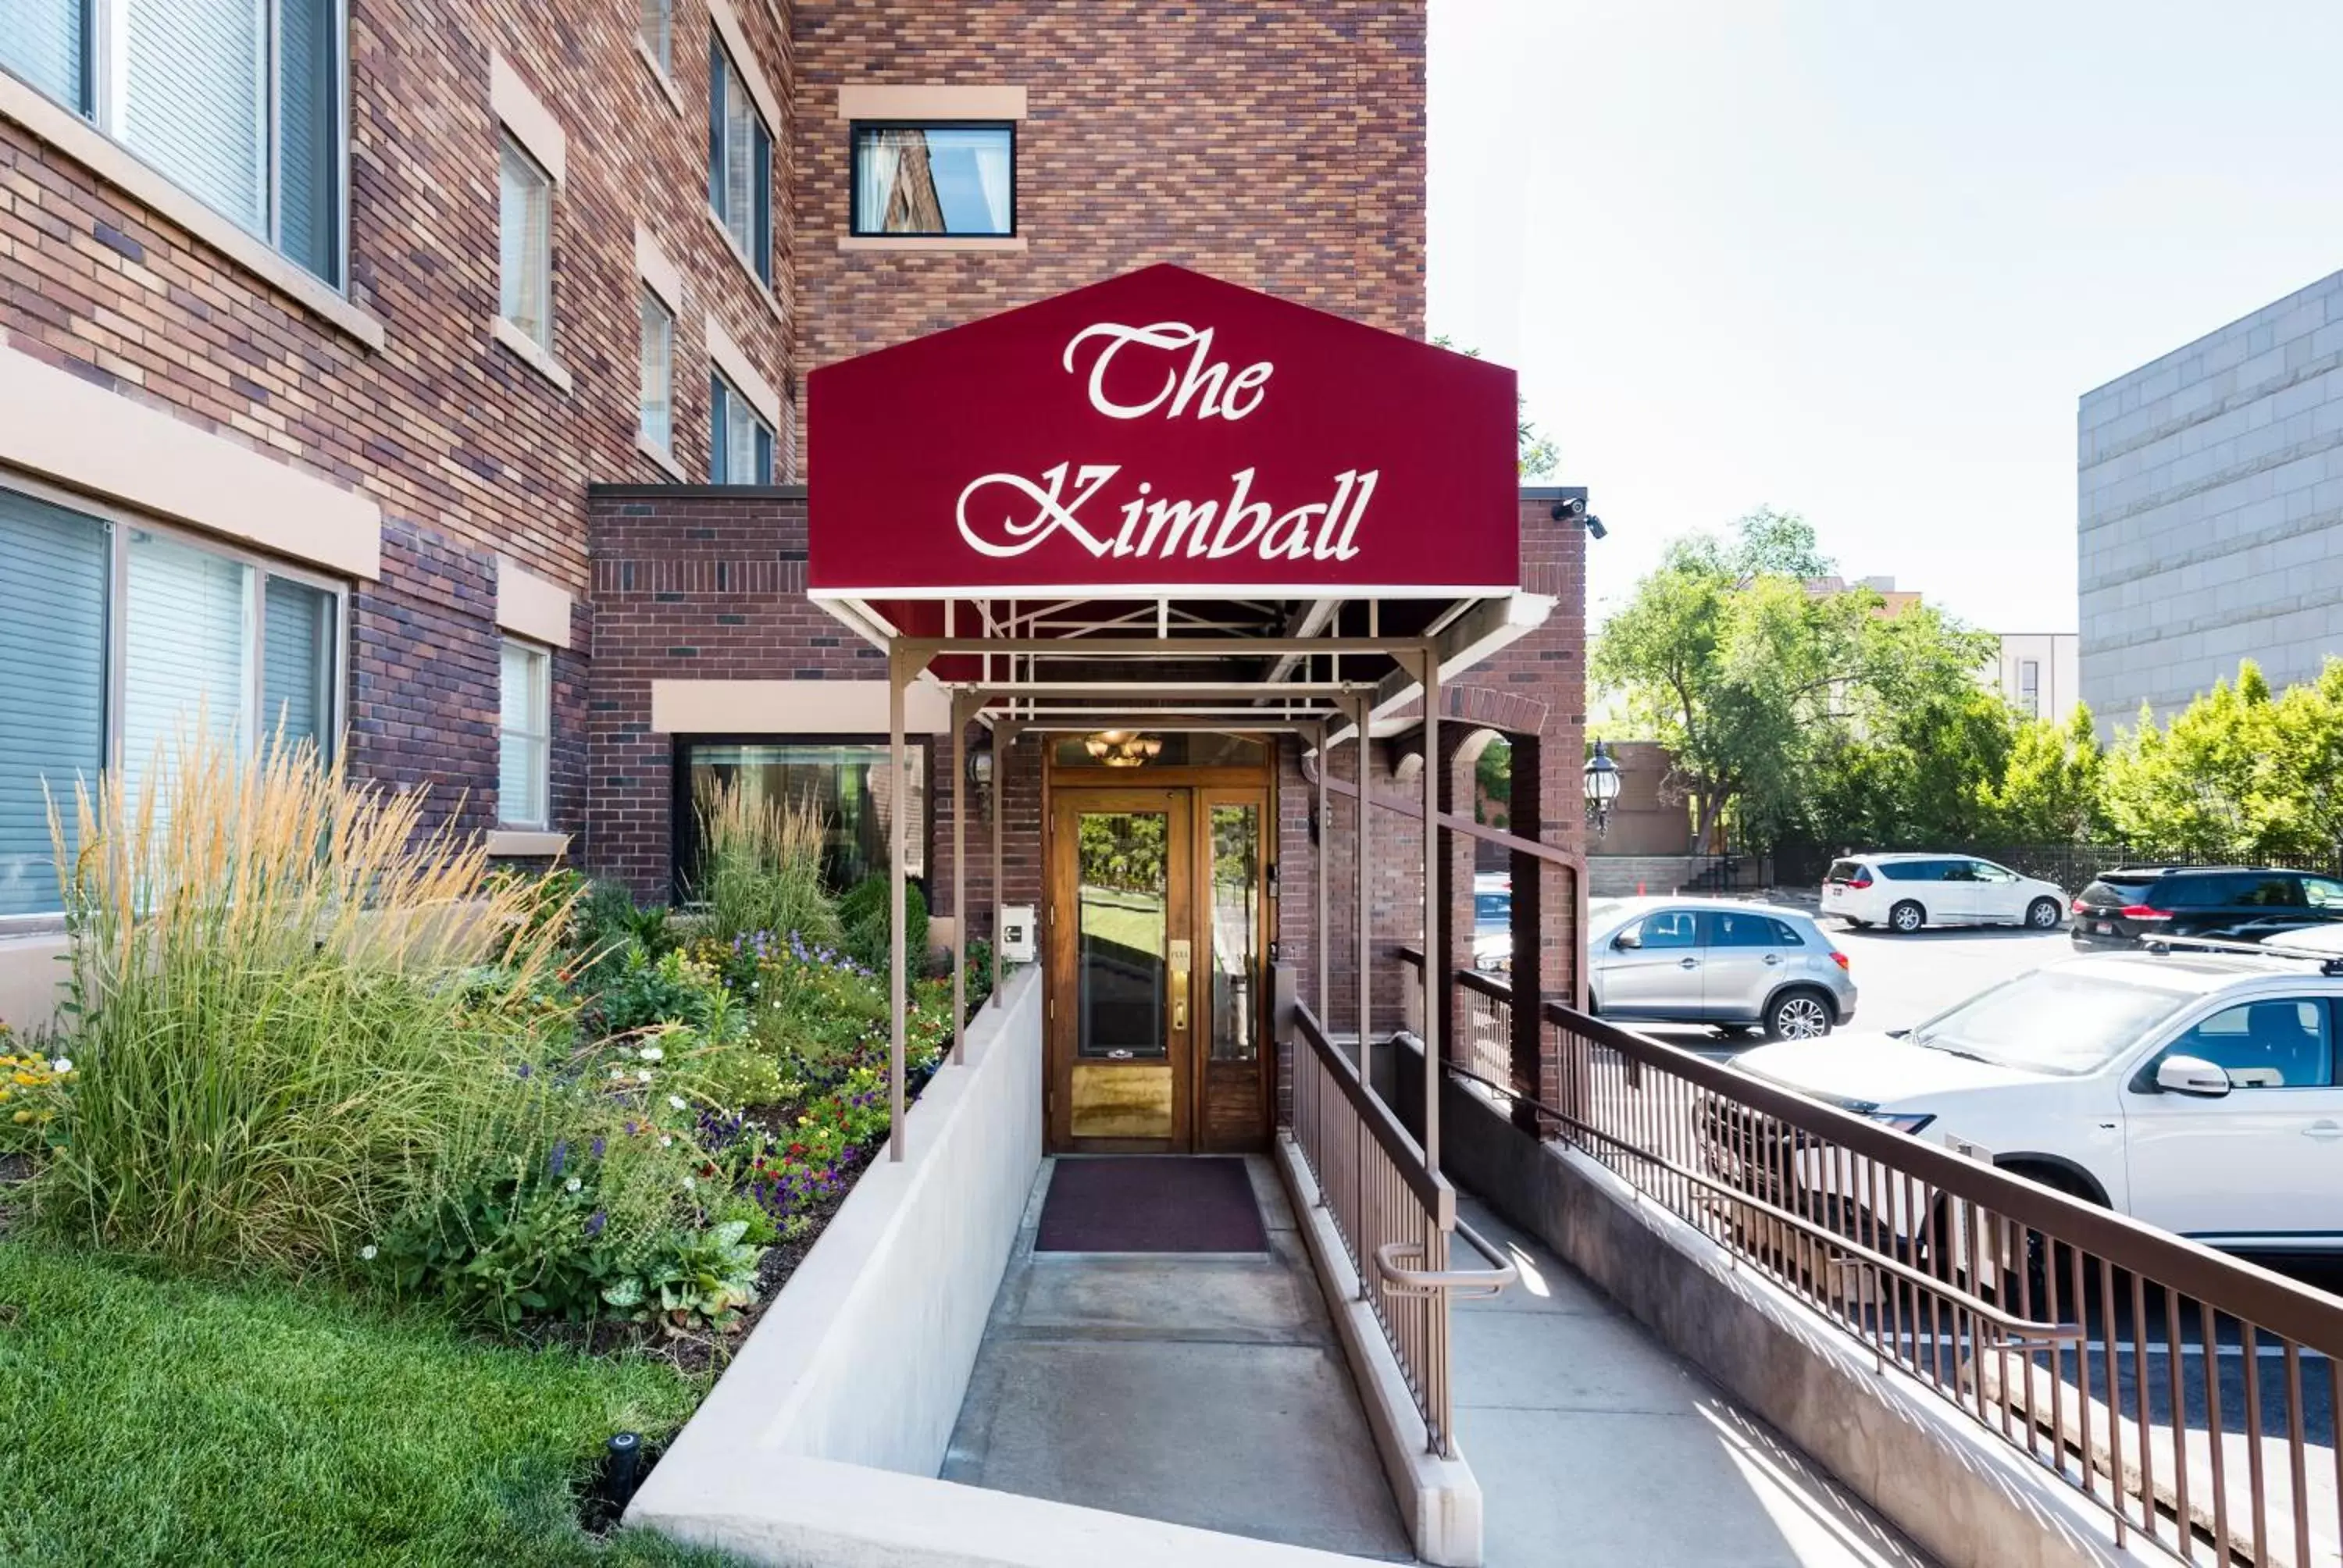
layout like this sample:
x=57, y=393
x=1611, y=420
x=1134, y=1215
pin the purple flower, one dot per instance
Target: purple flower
x=594, y=1223
x=522, y=1070
x=558, y=1159
x=598, y=1146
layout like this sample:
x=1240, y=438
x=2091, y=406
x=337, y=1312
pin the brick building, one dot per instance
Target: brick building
x=318, y=327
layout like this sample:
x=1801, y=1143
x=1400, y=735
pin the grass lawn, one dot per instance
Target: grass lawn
x=160, y=1420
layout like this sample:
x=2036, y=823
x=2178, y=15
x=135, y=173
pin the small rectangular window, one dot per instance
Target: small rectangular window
x=845, y=783
x=524, y=245
x=740, y=444
x=935, y=180
x=656, y=22
x=740, y=162
x=2029, y=686
x=657, y=396
x=525, y=740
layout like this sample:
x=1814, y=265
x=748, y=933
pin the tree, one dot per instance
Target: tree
x=2054, y=789
x=1756, y=685
x=2239, y=771
x=1534, y=453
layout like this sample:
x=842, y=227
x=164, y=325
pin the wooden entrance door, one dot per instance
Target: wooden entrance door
x=1158, y=922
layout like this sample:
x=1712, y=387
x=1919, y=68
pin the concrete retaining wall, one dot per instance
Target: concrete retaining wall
x=865, y=1355
x=1957, y=1492
x=33, y=974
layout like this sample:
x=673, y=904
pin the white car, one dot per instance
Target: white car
x=2196, y=1091
x=1906, y=892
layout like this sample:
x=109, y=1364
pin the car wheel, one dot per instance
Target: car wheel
x=1908, y=917
x=2042, y=914
x=1798, y=1015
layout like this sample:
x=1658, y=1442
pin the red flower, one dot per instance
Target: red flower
x=797, y=1149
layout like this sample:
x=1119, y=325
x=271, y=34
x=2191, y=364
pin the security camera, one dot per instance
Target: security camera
x=1595, y=529
x=1564, y=511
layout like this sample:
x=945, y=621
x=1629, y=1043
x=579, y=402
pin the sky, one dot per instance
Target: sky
x=1857, y=259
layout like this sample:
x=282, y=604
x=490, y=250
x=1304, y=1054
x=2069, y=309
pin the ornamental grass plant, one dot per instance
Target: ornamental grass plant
x=283, y=1019
x=761, y=870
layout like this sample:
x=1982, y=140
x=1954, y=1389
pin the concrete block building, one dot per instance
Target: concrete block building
x=2210, y=524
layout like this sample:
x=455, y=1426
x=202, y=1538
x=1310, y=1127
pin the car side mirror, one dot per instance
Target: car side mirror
x=2191, y=1075
x=1626, y=940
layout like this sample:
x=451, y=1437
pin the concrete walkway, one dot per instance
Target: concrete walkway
x=1594, y=1444
x=1203, y=1389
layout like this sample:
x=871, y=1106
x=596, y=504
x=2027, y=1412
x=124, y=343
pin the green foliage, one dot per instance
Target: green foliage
x=761, y=867
x=1493, y=771
x=609, y=927
x=698, y=1277
x=2053, y=788
x=182, y=1423
x=676, y=989
x=1757, y=687
x=2239, y=771
x=33, y=1092
x=864, y=912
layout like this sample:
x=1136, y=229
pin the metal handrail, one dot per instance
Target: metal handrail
x=1459, y=1284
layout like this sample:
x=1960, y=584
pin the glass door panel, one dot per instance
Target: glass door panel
x=1235, y=908
x=1130, y=956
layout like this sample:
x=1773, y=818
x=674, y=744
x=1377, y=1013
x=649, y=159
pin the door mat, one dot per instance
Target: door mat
x=1150, y=1203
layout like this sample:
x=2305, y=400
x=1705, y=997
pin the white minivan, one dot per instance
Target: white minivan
x=1906, y=892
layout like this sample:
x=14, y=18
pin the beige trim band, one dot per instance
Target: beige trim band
x=744, y=60
x=666, y=460
x=86, y=144
x=924, y=101
x=532, y=125
x=530, y=606
x=654, y=268
x=742, y=374
x=658, y=73
x=999, y=242
x=83, y=436
x=794, y=708
x=531, y=351
x=526, y=842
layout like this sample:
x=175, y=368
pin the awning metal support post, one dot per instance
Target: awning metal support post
x=1435, y=912
x=1361, y=715
x=1324, y=848
x=1004, y=737
x=903, y=665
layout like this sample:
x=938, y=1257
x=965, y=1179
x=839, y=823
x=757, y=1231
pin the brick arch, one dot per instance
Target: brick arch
x=1493, y=708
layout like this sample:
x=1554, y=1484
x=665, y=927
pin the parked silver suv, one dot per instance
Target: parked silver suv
x=1723, y=962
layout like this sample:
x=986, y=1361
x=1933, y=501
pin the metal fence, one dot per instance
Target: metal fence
x=2191, y=1395
x=1393, y=1215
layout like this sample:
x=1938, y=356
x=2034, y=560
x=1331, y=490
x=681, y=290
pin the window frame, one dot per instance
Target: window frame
x=648, y=298
x=120, y=523
x=683, y=822
x=724, y=391
x=103, y=68
x=541, y=678
x=2330, y=1011
x=854, y=217
x=509, y=144
x=724, y=72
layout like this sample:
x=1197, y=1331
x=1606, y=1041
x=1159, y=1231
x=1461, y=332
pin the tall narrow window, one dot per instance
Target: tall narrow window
x=296, y=675
x=740, y=162
x=52, y=593
x=525, y=243
x=525, y=741
x=741, y=444
x=658, y=372
x=237, y=101
x=658, y=28
x=2029, y=686
x=935, y=180
x=185, y=658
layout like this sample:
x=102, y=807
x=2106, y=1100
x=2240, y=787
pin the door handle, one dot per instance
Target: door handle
x=1773, y=958
x=1688, y=964
x=1178, y=999
x=2325, y=1132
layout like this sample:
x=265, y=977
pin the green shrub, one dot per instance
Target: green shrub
x=730, y=1071
x=282, y=1031
x=761, y=867
x=864, y=911
x=674, y=989
x=609, y=927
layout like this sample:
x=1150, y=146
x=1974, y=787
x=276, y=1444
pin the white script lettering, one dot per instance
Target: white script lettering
x=1173, y=528
x=1204, y=382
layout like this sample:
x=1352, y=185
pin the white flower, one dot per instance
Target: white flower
x=643, y=1075
x=653, y=1053
x=618, y=1072
x=677, y=1100
x=62, y=1064
x=689, y=1184
x=366, y=1251
x=572, y=1185
x=666, y=1141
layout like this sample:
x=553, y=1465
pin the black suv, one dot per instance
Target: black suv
x=2236, y=903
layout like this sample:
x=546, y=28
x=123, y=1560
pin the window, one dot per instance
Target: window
x=2273, y=893
x=113, y=638
x=657, y=24
x=935, y=180
x=238, y=101
x=1740, y=928
x=845, y=782
x=740, y=162
x=525, y=738
x=739, y=445
x=2322, y=892
x=2266, y=1044
x=1669, y=928
x=524, y=245
x=657, y=403
x=2029, y=686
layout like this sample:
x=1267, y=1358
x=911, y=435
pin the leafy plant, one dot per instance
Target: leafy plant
x=865, y=912
x=674, y=989
x=699, y=1277
x=32, y=1096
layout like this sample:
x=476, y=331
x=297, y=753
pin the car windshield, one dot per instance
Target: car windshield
x=2051, y=1020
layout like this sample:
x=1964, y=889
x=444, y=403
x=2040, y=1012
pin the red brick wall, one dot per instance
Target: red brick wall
x=1278, y=143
